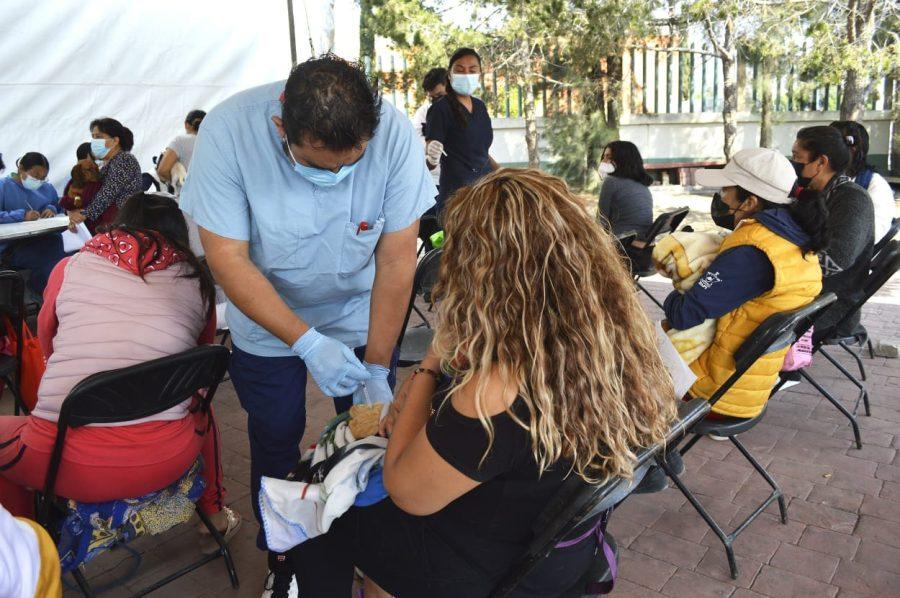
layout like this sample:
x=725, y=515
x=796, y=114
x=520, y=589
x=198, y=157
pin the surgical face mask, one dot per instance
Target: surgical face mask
x=319, y=176
x=464, y=84
x=607, y=168
x=98, y=148
x=722, y=214
x=31, y=183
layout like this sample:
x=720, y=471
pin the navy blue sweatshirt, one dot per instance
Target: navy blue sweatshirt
x=736, y=276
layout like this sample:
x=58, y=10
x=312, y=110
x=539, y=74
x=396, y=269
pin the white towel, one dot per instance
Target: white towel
x=293, y=512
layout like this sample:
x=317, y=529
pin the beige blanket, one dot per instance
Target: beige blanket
x=684, y=257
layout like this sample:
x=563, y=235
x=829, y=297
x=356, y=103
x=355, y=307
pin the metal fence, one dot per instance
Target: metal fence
x=656, y=80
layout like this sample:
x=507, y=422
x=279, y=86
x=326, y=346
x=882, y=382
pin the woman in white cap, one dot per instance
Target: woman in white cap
x=765, y=266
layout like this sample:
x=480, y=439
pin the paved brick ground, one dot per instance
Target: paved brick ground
x=842, y=537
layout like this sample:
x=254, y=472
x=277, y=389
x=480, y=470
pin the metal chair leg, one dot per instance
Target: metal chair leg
x=646, y=292
x=835, y=402
x=871, y=348
x=863, y=391
x=779, y=495
x=82, y=582
x=224, y=550
x=421, y=315
x=855, y=356
x=726, y=539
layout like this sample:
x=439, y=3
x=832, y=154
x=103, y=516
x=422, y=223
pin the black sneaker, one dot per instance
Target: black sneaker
x=280, y=581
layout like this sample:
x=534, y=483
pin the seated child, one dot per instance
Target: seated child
x=84, y=184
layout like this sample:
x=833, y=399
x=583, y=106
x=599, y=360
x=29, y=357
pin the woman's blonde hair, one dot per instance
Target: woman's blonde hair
x=530, y=284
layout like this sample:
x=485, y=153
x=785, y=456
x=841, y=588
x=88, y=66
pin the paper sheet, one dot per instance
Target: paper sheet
x=682, y=376
x=75, y=241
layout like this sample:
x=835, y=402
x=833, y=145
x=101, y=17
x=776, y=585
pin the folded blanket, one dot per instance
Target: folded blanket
x=92, y=528
x=684, y=257
x=337, y=473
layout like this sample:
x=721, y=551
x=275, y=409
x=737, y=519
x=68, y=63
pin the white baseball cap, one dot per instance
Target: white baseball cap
x=763, y=172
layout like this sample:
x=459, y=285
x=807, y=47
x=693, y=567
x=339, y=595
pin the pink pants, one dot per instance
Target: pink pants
x=107, y=463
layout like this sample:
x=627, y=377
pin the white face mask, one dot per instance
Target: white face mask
x=606, y=168
x=465, y=84
x=31, y=183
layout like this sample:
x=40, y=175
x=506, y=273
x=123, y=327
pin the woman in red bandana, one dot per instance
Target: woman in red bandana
x=131, y=295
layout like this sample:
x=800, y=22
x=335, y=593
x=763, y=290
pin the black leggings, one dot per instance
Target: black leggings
x=406, y=558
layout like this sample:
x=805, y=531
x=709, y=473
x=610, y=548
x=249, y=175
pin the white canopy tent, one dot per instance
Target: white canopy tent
x=146, y=63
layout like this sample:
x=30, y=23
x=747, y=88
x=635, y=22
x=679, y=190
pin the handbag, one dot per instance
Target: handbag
x=33, y=362
x=799, y=355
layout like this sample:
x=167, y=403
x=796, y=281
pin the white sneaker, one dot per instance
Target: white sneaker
x=717, y=438
x=275, y=588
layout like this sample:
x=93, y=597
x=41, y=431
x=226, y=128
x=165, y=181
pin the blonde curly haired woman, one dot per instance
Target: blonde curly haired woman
x=552, y=370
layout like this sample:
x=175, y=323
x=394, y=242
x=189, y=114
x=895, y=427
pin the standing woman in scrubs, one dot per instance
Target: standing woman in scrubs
x=26, y=195
x=458, y=130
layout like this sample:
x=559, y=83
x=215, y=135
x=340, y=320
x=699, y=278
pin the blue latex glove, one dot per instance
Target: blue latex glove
x=377, y=387
x=332, y=364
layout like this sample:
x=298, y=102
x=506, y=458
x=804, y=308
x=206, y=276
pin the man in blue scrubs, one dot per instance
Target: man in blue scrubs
x=308, y=195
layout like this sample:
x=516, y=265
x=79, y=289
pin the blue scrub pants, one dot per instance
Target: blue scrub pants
x=272, y=390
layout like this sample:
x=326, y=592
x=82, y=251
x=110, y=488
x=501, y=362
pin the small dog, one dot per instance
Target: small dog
x=82, y=187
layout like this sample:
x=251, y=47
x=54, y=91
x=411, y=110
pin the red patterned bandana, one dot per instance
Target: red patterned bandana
x=122, y=250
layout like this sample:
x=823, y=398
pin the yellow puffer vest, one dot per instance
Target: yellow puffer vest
x=798, y=281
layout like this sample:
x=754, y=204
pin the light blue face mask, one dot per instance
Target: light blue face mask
x=98, y=148
x=31, y=183
x=465, y=85
x=320, y=176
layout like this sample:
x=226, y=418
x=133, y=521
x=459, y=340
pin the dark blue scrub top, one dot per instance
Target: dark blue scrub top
x=466, y=147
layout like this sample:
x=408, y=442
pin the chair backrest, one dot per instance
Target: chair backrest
x=625, y=240
x=776, y=332
x=884, y=266
x=892, y=232
x=578, y=503
x=423, y=280
x=136, y=392
x=664, y=224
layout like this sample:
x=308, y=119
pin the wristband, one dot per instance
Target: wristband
x=429, y=371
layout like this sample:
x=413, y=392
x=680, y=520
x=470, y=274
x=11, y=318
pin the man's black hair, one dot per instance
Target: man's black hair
x=329, y=100
x=434, y=77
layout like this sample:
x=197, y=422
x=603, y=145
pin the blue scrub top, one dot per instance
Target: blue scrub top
x=466, y=147
x=305, y=239
x=16, y=200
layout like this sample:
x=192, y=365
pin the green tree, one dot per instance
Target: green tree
x=855, y=42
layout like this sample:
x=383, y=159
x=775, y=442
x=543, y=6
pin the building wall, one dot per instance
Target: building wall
x=689, y=137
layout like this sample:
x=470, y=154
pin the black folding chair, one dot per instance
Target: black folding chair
x=641, y=261
x=884, y=266
x=776, y=332
x=892, y=232
x=12, y=307
x=125, y=395
x=428, y=225
x=578, y=505
x=625, y=240
x=414, y=342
